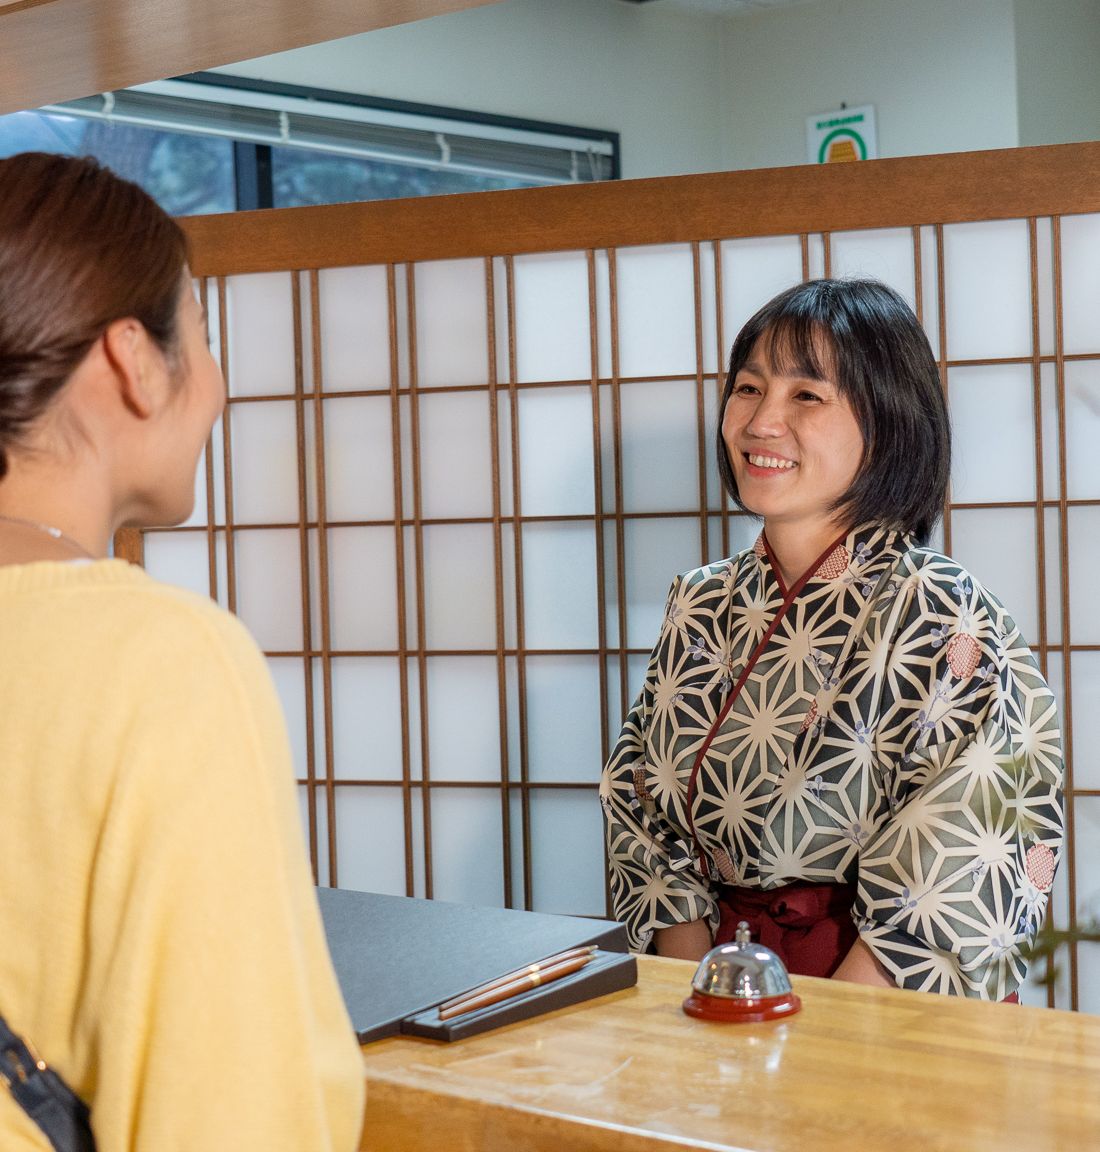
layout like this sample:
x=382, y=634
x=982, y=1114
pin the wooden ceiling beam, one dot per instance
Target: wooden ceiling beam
x=53, y=50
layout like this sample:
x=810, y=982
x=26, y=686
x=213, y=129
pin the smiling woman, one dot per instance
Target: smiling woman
x=820, y=710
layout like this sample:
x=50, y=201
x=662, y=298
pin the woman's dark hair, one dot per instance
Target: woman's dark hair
x=864, y=337
x=79, y=249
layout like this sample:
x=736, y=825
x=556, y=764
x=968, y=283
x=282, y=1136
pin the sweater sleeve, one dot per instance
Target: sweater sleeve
x=954, y=882
x=216, y=1020
x=654, y=880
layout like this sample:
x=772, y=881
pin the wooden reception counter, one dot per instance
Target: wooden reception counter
x=857, y=1070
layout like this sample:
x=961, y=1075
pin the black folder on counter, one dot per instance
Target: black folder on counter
x=398, y=958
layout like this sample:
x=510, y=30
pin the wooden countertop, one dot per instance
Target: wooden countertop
x=858, y=1069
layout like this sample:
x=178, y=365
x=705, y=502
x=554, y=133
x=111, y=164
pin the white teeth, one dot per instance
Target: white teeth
x=771, y=462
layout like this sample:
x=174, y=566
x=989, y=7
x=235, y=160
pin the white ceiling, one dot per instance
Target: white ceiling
x=729, y=7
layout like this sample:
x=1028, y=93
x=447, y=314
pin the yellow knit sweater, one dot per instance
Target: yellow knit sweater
x=160, y=943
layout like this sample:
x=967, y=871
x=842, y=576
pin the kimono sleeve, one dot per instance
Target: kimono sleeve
x=654, y=881
x=954, y=882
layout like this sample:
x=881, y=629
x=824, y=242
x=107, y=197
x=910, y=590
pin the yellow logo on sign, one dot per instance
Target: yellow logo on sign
x=841, y=146
x=841, y=152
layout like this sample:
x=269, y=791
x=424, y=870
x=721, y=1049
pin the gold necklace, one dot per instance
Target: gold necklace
x=51, y=531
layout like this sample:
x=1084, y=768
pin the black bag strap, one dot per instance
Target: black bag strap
x=44, y=1096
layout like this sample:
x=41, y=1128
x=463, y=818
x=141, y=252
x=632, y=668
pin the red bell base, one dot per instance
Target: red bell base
x=747, y=1011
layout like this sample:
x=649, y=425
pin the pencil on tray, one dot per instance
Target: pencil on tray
x=522, y=980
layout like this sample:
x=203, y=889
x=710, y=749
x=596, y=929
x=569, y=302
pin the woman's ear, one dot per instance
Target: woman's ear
x=137, y=366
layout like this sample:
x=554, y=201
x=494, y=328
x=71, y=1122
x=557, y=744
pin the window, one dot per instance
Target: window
x=213, y=143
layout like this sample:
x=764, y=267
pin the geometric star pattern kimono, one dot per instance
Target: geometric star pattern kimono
x=881, y=723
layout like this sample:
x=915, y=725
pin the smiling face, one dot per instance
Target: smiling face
x=794, y=443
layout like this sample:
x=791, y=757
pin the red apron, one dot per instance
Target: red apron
x=808, y=926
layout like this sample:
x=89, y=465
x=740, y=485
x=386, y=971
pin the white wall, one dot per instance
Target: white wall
x=691, y=91
x=940, y=73
x=649, y=73
x=1058, y=65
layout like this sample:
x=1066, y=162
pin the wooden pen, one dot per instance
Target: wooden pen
x=518, y=974
x=505, y=988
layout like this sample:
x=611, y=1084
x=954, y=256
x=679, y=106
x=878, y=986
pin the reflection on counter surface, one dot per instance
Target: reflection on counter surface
x=878, y=1070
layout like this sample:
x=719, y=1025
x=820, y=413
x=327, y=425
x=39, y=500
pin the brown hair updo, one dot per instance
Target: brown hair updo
x=79, y=249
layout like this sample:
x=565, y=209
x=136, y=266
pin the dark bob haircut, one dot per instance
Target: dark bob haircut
x=864, y=337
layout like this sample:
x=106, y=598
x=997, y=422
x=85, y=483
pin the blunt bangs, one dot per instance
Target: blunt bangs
x=862, y=336
x=796, y=345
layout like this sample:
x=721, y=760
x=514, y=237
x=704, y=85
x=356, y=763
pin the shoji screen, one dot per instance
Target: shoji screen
x=469, y=443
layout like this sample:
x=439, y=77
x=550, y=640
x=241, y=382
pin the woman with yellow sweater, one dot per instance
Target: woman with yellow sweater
x=162, y=950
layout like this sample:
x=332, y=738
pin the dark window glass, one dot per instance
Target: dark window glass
x=302, y=176
x=187, y=175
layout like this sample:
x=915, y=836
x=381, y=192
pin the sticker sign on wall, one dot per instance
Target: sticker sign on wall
x=841, y=136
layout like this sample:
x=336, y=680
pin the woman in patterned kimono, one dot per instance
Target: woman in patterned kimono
x=842, y=736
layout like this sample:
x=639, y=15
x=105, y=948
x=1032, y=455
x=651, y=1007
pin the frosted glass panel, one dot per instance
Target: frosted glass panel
x=1044, y=267
x=217, y=446
x=743, y=533
x=290, y=682
x=451, y=332
x=998, y=547
x=1081, y=283
x=467, y=846
x=1086, y=827
x=198, y=517
x=269, y=587
x=559, y=585
x=1052, y=545
x=552, y=317
x=265, y=463
x=322, y=832
x=504, y=447
x=656, y=302
x=610, y=584
x=363, y=604
x=1086, y=730
x=1051, y=452
x=712, y=395
x=815, y=256
x=1033, y=992
x=563, y=719
x=753, y=271
x=1088, y=973
x=463, y=718
x=713, y=357
x=261, y=334
x=460, y=601
x=660, y=434
x=988, y=289
x=456, y=463
x=366, y=718
x=567, y=852
x=1082, y=380
x=992, y=418
x=881, y=254
x=930, y=288
x=359, y=458
x=1060, y=903
x=556, y=452
x=603, y=312
x=370, y=840
x=1084, y=563
x=515, y=810
x=656, y=550
x=355, y=328
x=319, y=839
x=180, y=558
